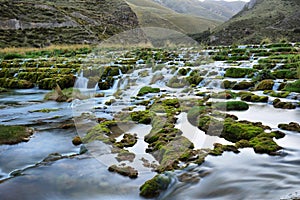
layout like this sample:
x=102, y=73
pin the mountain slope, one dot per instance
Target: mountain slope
x=208, y=9
x=152, y=14
x=39, y=23
x=260, y=19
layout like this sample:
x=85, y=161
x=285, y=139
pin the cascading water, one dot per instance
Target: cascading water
x=81, y=82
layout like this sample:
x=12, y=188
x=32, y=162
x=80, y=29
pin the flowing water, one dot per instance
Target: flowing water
x=242, y=176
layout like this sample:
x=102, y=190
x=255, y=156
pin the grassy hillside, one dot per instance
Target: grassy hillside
x=152, y=14
x=261, y=19
x=209, y=9
x=37, y=23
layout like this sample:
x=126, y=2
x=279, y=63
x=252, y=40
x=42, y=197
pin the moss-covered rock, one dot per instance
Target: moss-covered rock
x=220, y=148
x=176, y=82
x=238, y=72
x=235, y=131
x=231, y=105
x=101, y=132
x=243, y=85
x=128, y=140
x=147, y=89
x=292, y=126
x=143, y=117
x=153, y=187
x=65, y=95
x=277, y=103
x=264, y=144
x=168, y=155
x=293, y=86
x=194, y=79
x=285, y=74
x=13, y=83
x=254, y=98
x=14, y=134
x=226, y=84
x=125, y=171
x=227, y=94
x=265, y=85
x=125, y=155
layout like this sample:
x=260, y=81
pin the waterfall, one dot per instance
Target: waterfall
x=276, y=86
x=81, y=82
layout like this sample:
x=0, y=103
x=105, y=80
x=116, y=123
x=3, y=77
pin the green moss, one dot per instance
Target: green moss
x=238, y=72
x=228, y=84
x=235, y=131
x=285, y=74
x=293, y=87
x=265, y=85
x=231, y=105
x=146, y=89
x=14, y=134
x=262, y=144
x=13, y=83
x=143, y=117
x=194, y=79
x=153, y=187
x=279, y=94
x=128, y=140
x=176, y=82
x=100, y=132
x=194, y=113
x=220, y=148
x=169, y=154
x=224, y=95
x=243, y=85
x=254, y=98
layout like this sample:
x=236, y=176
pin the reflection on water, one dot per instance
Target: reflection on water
x=78, y=178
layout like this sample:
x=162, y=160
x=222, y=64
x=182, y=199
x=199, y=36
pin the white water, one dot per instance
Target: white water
x=81, y=82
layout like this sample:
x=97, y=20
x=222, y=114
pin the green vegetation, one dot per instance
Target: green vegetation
x=15, y=83
x=147, y=89
x=265, y=85
x=293, y=87
x=14, y=134
x=238, y=72
x=153, y=187
x=253, y=98
x=231, y=105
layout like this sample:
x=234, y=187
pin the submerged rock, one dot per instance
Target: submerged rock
x=125, y=171
x=292, y=126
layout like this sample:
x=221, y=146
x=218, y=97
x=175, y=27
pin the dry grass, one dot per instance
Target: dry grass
x=23, y=50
